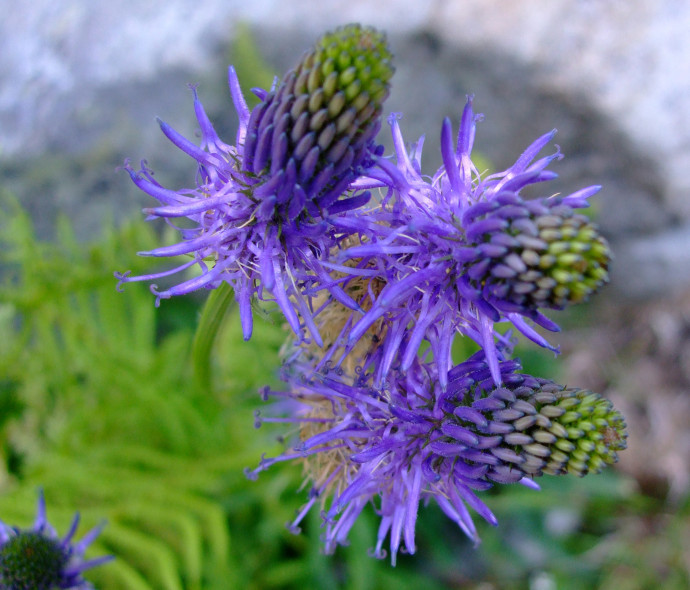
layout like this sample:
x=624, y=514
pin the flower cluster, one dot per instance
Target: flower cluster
x=38, y=559
x=411, y=440
x=260, y=207
x=378, y=268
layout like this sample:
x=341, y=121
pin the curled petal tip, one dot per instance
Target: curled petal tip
x=250, y=474
x=295, y=530
x=122, y=278
x=393, y=117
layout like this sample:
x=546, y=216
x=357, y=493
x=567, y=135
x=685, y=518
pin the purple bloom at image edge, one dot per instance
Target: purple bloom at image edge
x=38, y=559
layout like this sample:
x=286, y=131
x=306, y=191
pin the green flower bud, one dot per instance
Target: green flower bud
x=536, y=253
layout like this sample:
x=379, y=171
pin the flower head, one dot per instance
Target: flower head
x=37, y=559
x=259, y=207
x=286, y=214
x=411, y=441
x=461, y=252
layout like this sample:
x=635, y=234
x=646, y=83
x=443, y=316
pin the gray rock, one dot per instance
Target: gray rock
x=653, y=266
x=81, y=83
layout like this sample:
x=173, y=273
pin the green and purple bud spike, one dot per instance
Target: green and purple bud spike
x=311, y=133
x=539, y=428
x=534, y=254
x=258, y=211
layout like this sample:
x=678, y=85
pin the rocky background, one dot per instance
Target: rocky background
x=81, y=83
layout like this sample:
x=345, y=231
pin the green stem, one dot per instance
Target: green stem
x=217, y=306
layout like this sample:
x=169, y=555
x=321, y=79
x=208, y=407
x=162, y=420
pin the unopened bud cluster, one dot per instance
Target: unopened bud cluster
x=537, y=253
x=537, y=427
x=314, y=130
x=37, y=559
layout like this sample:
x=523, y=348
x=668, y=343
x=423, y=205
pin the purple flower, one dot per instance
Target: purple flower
x=259, y=207
x=410, y=441
x=456, y=249
x=37, y=559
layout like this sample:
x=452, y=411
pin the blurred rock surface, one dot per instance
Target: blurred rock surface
x=81, y=83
